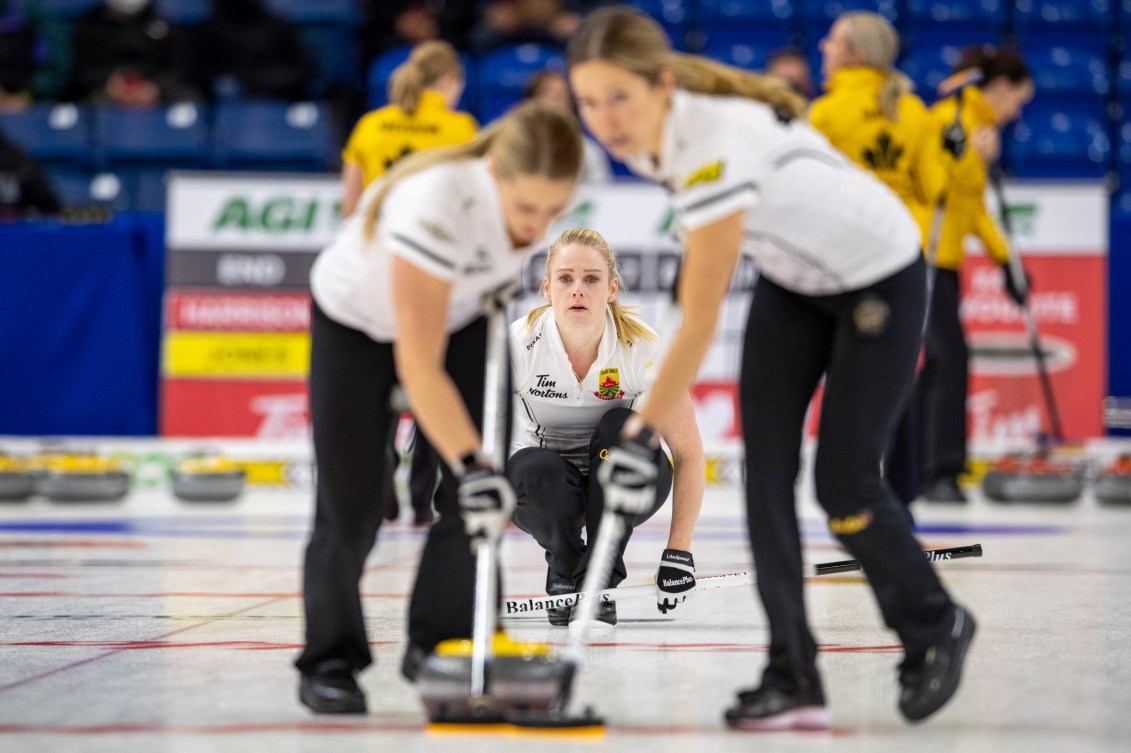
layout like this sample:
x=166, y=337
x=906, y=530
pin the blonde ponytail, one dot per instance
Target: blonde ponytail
x=427, y=64
x=698, y=74
x=896, y=86
x=873, y=36
x=630, y=329
x=530, y=140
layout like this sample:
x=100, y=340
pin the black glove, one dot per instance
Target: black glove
x=628, y=474
x=1020, y=297
x=486, y=500
x=675, y=580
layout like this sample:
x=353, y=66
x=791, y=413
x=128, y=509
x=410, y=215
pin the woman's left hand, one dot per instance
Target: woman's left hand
x=675, y=579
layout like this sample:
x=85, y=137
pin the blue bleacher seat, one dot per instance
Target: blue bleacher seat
x=68, y=9
x=77, y=188
x=382, y=67
x=184, y=11
x=1068, y=72
x=503, y=73
x=316, y=11
x=741, y=55
x=931, y=56
x=267, y=135
x=148, y=190
x=334, y=50
x=53, y=134
x=1029, y=14
x=1124, y=155
x=1060, y=142
x=170, y=136
x=823, y=12
x=674, y=15
x=747, y=16
x=957, y=13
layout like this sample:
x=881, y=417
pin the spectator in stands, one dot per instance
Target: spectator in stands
x=386, y=24
x=424, y=92
x=34, y=55
x=506, y=22
x=551, y=88
x=24, y=190
x=126, y=54
x=244, y=50
x=790, y=65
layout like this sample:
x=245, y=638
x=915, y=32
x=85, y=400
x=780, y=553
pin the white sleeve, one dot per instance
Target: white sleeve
x=418, y=224
x=714, y=180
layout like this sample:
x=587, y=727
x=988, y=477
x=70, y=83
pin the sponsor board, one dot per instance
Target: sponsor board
x=210, y=211
x=256, y=355
x=234, y=312
x=252, y=269
x=1069, y=303
x=219, y=408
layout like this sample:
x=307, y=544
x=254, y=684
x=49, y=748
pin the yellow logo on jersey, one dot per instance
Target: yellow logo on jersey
x=706, y=174
x=608, y=386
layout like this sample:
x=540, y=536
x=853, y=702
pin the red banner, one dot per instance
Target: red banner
x=1070, y=305
x=229, y=408
x=237, y=312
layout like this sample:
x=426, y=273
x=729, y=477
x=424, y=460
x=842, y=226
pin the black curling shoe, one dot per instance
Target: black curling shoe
x=331, y=689
x=928, y=683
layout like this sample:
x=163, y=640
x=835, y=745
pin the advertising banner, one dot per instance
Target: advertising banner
x=240, y=251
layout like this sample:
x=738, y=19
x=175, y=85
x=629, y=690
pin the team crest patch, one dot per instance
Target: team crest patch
x=608, y=388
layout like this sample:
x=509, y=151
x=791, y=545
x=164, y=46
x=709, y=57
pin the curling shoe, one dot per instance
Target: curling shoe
x=927, y=683
x=771, y=709
x=331, y=689
x=946, y=491
x=606, y=615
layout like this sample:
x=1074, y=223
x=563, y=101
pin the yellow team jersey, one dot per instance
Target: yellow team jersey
x=966, y=212
x=383, y=136
x=903, y=153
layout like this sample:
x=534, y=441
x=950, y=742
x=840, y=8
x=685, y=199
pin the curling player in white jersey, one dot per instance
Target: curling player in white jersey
x=397, y=299
x=841, y=295
x=581, y=362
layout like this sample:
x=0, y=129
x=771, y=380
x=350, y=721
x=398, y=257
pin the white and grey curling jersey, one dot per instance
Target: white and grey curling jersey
x=445, y=220
x=815, y=223
x=555, y=410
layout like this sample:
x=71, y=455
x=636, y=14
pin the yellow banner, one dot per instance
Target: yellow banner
x=270, y=355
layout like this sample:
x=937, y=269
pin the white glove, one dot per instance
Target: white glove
x=486, y=501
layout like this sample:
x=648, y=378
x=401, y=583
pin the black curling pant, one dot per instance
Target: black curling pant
x=865, y=343
x=943, y=384
x=351, y=377
x=556, y=501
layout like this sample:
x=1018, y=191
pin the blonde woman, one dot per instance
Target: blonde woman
x=841, y=294
x=396, y=300
x=423, y=93
x=870, y=114
x=581, y=362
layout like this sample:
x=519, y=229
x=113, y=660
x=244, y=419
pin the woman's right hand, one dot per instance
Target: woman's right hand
x=987, y=142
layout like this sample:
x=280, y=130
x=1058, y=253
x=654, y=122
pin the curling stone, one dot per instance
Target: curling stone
x=1040, y=479
x=521, y=676
x=17, y=478
x=1113, y=484
x=82, y=478
x=208, y=479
